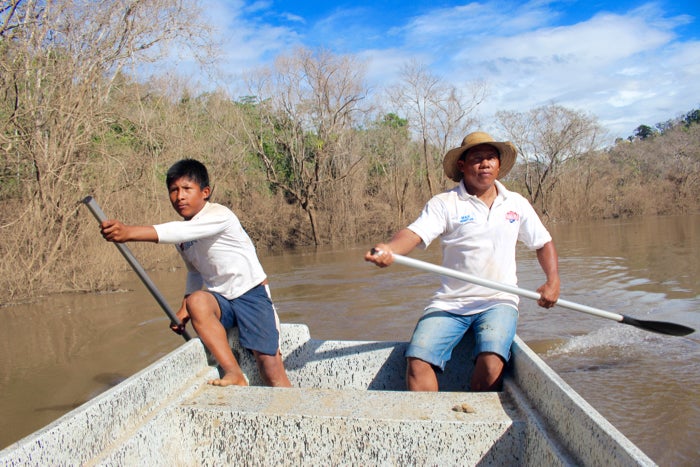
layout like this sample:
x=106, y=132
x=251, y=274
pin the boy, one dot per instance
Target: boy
x=221, y=257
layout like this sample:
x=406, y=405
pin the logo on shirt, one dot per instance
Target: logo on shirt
x=186, y=245
x=512, y=216
x=466, y=218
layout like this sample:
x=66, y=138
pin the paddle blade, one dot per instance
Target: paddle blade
x=660, y=327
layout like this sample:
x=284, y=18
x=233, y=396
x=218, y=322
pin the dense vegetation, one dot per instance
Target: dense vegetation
x=309, y=156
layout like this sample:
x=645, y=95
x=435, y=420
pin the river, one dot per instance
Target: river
x=63, y=350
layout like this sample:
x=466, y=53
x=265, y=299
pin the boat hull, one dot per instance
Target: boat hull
x=348, y=407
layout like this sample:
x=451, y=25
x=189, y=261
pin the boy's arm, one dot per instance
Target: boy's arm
x=183, y=315
x=115, y=231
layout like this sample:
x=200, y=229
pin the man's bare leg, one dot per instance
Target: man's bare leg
x=420, y=375
x=205, y=316
x=488, y=372
x=272, y=370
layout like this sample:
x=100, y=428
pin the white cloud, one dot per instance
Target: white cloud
x=626, y=69
x=246, y=37
x=597, y=42
x=621, y=68
x=476, y=21
x=384, y=66
x=293, y=18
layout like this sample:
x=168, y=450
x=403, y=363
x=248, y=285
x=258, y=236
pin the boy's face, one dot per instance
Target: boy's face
x=187, y=197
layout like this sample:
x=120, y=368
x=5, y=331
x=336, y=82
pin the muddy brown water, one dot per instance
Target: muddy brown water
x=59, y=352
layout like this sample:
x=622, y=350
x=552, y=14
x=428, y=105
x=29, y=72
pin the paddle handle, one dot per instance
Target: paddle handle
x=429, y=267
x=136, y=266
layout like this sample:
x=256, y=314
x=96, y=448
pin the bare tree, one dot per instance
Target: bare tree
x=60, y=63
x=393, y=163
x=669, y=161
x=10, y=17
x=307, y=106
x=547, y=137
x=439, y=114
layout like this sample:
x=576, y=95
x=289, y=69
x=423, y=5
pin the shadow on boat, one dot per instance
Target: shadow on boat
x=373, y=365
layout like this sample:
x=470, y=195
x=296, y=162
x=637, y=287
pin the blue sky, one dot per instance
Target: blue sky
x=627, y=63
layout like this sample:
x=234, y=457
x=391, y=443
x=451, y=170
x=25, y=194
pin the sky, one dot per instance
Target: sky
x=625, y=63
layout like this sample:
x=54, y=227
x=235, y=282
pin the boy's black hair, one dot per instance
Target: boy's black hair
x=190, y=168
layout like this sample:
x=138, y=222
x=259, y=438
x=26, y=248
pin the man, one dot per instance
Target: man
x=479, y=223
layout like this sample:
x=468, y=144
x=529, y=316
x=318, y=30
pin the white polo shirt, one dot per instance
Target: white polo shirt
x=478, y=241
x=218, y=253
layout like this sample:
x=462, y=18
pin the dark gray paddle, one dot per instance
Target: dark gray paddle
x=660, y=327
x=131, y=259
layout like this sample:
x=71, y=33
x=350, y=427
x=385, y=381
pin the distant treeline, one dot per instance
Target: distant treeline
x=311, y=156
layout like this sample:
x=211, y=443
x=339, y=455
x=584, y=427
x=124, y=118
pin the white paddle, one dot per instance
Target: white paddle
x=136, y=266
x=660, y=327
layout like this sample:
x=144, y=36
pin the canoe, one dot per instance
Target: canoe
x=348, y=407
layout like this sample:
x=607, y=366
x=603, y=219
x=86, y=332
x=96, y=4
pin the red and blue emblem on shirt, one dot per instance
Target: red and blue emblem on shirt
x=512, y=216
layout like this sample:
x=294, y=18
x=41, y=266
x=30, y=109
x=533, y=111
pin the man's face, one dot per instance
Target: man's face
x=480, y=167
x=187, y=197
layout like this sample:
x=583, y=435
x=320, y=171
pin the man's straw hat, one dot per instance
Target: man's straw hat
x=506, y=149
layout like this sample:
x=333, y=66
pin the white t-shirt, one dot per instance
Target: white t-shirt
x=478, y=241
x=217, y=251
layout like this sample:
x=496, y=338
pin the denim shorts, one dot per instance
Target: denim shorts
x=438, y=332
x=256, y=318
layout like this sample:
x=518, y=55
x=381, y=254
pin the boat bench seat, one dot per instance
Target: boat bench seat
x=270, y=426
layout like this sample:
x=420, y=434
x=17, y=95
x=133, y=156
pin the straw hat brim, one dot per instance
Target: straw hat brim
x=507, y=151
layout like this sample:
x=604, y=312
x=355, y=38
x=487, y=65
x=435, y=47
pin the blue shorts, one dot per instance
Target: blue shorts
x=256, y=318
x=438, y=333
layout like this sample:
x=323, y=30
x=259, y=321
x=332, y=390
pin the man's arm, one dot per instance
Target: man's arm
x=115, y=231
x=549, y=262
x=403, y=242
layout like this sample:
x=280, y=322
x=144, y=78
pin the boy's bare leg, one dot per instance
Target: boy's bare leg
x=205, y=316
x=272, y=370
x=420, y=375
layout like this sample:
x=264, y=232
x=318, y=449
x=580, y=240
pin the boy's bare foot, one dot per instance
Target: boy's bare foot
x=230, y=380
